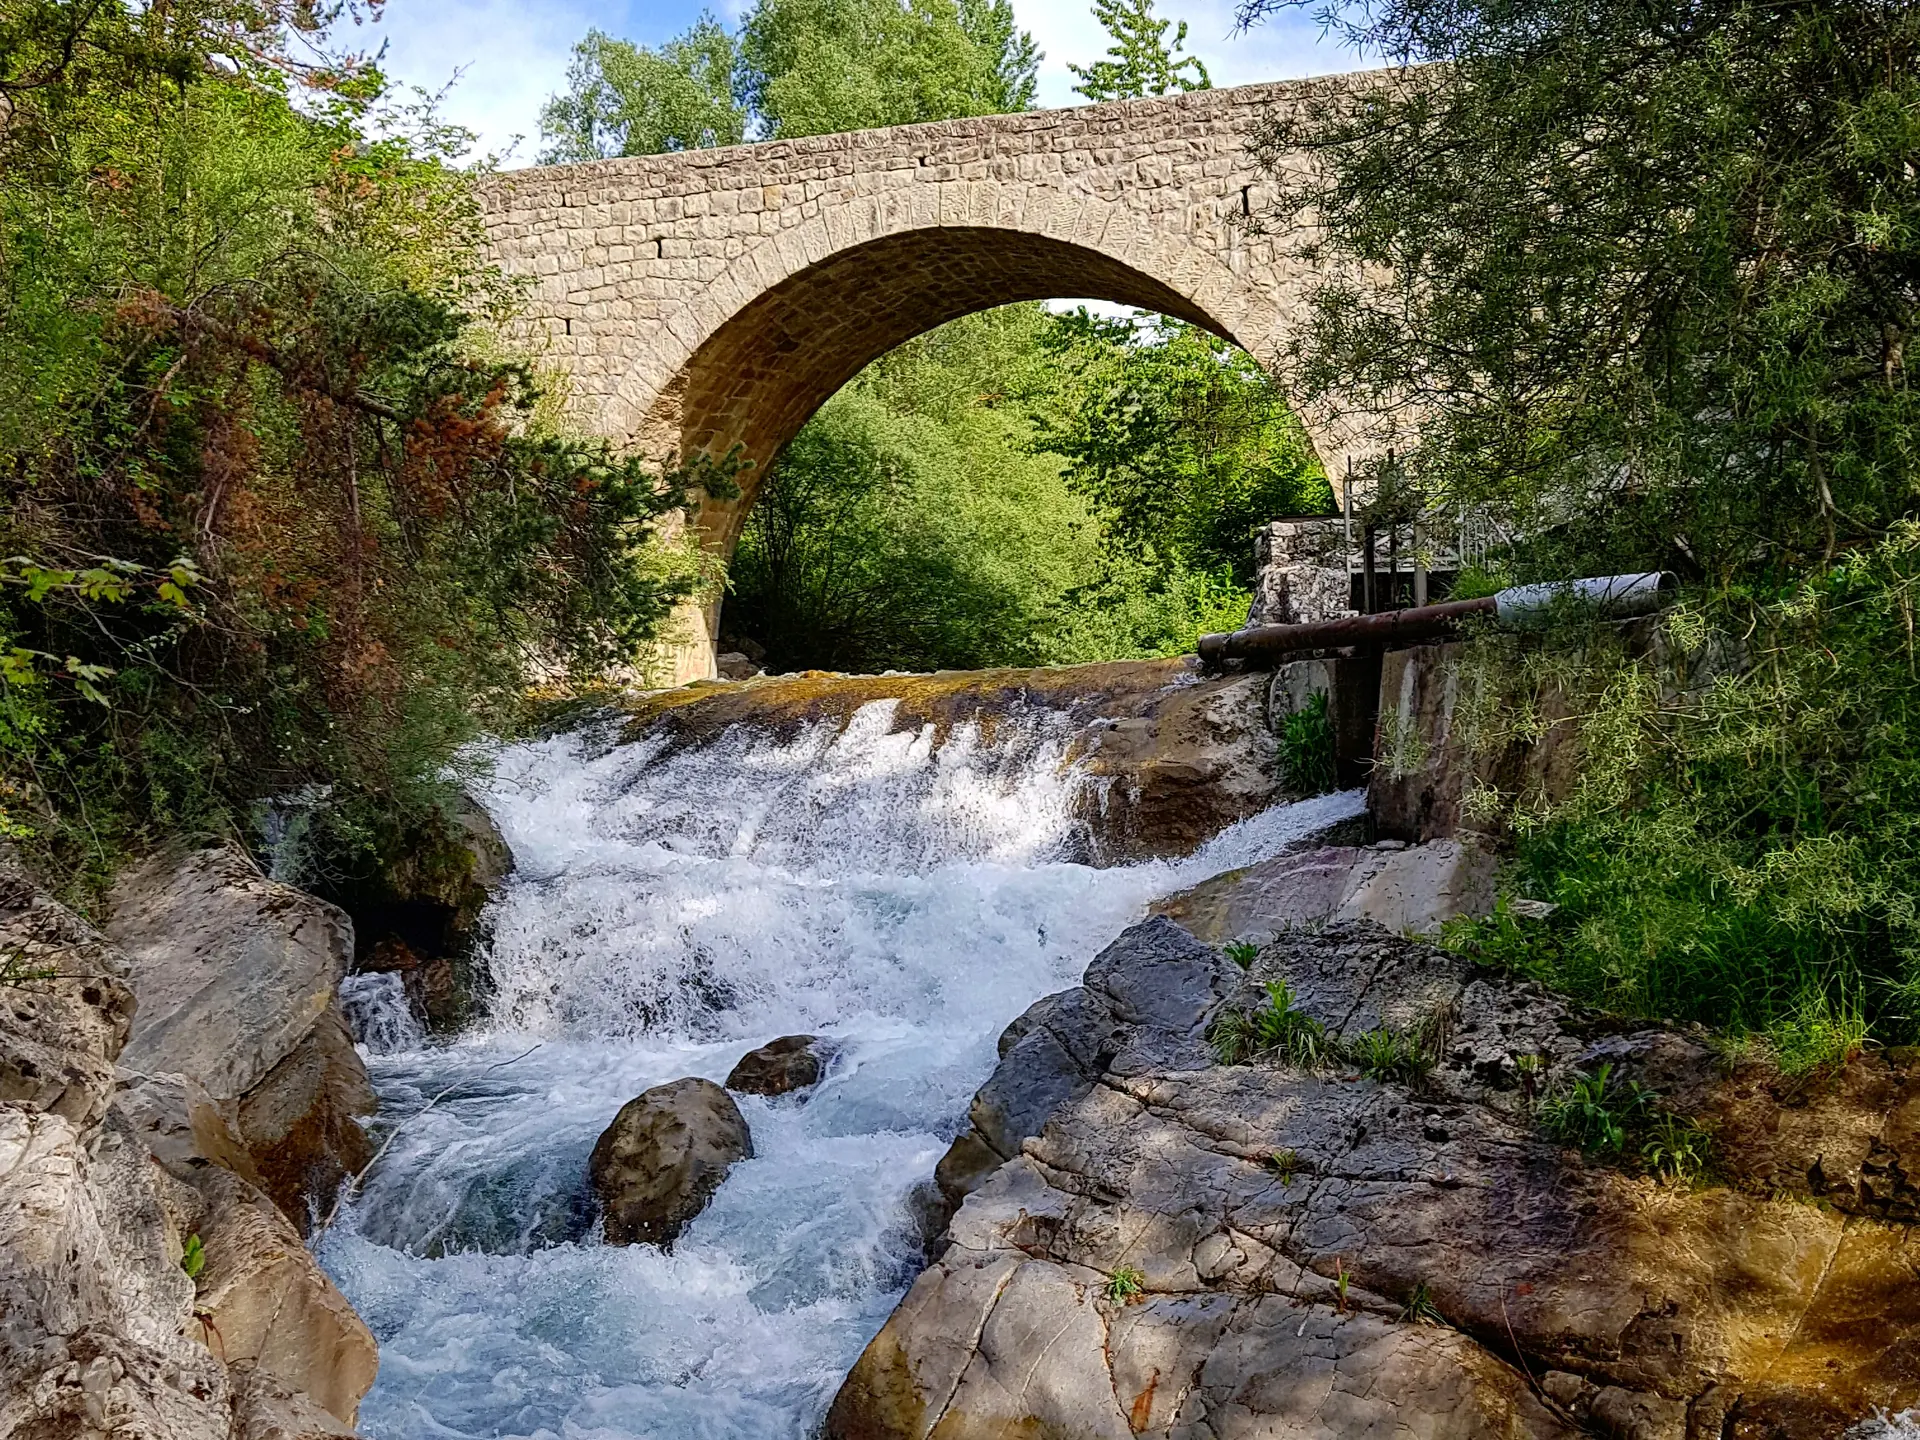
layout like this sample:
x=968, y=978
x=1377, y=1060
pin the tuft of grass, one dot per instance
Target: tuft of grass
x=1821, y=1029
x=1530, y=1066
x=1285, y=1164
x=1307, y=761
x=1421, y=1309
x=1125, y=1286
x=1676, y=1150
x=193, y=1257
x=1400, y=1056
x=1593, y=1113
x=1277, y=1028
x=15, y=970
x=1242, y=952
x=1341, y=1278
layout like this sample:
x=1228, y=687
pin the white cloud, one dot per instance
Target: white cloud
x=510, y=56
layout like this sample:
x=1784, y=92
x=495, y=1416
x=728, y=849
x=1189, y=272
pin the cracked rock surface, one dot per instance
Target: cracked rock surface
x=1183, y=1249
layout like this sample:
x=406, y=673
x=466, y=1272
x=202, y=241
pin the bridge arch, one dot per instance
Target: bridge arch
x=712, y=298
x=746, y=365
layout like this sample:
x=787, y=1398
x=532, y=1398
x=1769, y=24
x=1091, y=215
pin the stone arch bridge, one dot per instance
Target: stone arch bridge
x=708, y=299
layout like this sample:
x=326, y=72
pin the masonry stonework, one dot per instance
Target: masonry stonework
x=713, y=299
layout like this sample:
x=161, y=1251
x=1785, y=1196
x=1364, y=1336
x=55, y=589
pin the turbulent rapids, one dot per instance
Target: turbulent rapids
x=904, y=889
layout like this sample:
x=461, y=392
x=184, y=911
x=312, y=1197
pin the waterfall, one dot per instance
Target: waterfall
x=906, y=893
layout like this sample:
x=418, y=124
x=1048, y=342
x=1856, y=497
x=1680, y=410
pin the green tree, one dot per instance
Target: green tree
x=1649, y=269
x=797, y=67
x=915, y=524
x=624, y=99
x=1140, y=62
x=1654, y=265
x=813, y=67
x=280, y=509
x=1181, y=439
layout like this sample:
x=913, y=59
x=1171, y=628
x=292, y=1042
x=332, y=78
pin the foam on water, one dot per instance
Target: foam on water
x=668, y=912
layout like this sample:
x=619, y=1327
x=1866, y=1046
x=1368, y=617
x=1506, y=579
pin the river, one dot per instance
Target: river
x=669, y=911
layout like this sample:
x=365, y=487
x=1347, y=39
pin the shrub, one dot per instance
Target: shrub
x=1594, y=1114
x=1403, y=1057
x=1276, y=1028
x=1738, y=852
x=1307, y=760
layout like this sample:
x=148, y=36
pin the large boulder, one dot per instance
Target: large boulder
x=238, y=977
x=269, y=1306
x=779, y=1067
x=98, y=1315
x=1195, y=1249
x=1144, y=999
x=101, y=1190
x=417, y=899
x=657, y=1165
x=1407, y=890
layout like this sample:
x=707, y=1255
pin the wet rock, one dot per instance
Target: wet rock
x=417, y=905
x=1406, y=890
x=1288, y=1297
x=264, y=1409
x=793, y=1062
x=657, y=1165
x=1194, y=762
x=269, y=1305
x=1145, y=994
x=237, y=978
x=300, y=1121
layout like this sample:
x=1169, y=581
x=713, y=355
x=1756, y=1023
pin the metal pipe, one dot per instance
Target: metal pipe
x=1609, y=596
x=1616, y=596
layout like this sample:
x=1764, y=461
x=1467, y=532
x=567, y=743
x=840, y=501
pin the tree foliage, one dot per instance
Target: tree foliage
x=1140, y=62
x=1651, y=269
x=1653, y=266
x=1179, y=438
x=796, y=67
x=624, y=99
x=279, y=510
x=925, y=518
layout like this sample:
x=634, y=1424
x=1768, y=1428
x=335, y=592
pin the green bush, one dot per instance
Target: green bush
x=1276, y=1028
x=1307, y=758
x=1739, y=850
x=280, y=511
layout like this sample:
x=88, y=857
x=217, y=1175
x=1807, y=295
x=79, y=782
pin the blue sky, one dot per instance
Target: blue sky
x=512, y=54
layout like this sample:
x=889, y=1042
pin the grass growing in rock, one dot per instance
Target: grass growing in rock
x=1307, y=749
x=1125, y=1285
x=1242, y=952
x=1277, y=1028
x=1623, y=1122
x=1285, y=1165
x=1404, y=1057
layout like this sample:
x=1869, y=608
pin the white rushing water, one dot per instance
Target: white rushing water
x=668, y=913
